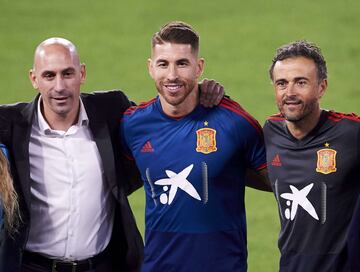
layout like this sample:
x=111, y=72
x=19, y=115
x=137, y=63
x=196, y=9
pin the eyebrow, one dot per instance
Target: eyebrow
x=295, y=79
x=161, y=60
x=69, y=69
x=47, y=72
x=300, y=78
x=183, y=59
x=179, y=60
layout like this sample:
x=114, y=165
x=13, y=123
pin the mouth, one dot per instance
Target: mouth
x=293, y=105
x=292, y=102
x=173, y=87
x=60, y=98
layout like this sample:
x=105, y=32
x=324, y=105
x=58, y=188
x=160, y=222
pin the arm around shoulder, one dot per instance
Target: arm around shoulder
x=258, y=180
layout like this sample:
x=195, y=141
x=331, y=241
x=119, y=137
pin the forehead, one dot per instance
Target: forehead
x=171, y=51
x=55, y=57
x=294, y=68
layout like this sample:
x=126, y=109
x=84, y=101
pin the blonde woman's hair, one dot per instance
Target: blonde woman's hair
x=8, y=197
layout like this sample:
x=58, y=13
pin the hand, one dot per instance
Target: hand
x=211, y=93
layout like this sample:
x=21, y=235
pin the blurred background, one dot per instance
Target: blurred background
x=238, y=41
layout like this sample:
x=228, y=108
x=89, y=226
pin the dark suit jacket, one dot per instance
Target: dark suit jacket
x=104, y=110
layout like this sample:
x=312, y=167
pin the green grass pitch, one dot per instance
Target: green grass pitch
x=238, y=40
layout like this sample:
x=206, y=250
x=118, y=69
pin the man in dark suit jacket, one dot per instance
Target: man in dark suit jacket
x=58, y=74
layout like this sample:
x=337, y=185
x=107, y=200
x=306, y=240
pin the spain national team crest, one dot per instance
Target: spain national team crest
x=206, y=140
x=326, y=161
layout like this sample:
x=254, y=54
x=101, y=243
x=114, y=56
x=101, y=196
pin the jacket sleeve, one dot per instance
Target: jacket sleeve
x=128, y=173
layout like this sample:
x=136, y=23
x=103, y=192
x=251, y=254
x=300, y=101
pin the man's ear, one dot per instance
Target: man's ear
x=33, y=79
x=82, y=73
x=150, y=67
x=200, y=67
x=322, y=87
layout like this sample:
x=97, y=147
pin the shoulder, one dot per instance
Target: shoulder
x=13, y=108
x=143, y=106
x=235, y=108
x=138, y=119
x=9, y=112
x=339, y=116
x=276, y=117
x=275, y=126
x=112, y=103
x=105, y=96
x=348, y=124
x=275, y=120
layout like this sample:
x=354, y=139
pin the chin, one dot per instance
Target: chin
x=293, y=118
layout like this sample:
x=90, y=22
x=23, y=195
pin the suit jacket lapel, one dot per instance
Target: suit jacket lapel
x=101, y=134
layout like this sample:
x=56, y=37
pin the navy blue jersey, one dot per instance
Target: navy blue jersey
x=316, y=181
x=193, y=170
x=4, y=150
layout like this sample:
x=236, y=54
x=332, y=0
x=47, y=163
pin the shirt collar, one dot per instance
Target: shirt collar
x=44, y=127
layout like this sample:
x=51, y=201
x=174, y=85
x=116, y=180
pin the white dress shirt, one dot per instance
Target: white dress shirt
x=72, y=208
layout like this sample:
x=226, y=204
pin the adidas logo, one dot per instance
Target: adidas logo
x=147, y=147
x=276, y=161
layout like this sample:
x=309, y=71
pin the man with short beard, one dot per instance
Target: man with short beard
x=313, y=159
x=193, y=162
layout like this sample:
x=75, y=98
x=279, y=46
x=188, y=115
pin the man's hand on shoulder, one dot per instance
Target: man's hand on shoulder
x=211, y=92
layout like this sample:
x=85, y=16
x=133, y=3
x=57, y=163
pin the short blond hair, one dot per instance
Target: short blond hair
x=8, y=197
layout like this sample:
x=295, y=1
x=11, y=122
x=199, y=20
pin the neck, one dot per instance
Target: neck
x=182, y=109
x=60, y=122
x=303, y=127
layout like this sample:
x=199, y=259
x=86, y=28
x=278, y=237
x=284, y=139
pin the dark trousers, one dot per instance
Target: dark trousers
x=104, y=267
x=29, y=265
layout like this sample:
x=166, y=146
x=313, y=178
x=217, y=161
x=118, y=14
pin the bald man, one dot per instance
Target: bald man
x=71, y=181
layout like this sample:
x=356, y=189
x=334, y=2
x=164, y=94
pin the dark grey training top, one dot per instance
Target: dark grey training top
x=316, y=181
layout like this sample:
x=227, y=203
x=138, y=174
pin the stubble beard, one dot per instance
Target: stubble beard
x=307, y=110
x=175, y=100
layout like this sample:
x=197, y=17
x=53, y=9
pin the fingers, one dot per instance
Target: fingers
x=211, y=93
x=218, y=94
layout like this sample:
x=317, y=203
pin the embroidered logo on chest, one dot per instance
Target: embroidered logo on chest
x=206, y=140
x=326, y=161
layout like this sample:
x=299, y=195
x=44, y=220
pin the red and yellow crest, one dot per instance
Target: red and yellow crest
x=206, y=140
x=326, y=161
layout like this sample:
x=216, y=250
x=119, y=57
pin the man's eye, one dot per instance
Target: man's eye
x=162, y=65
x=183, y=63
x=49, y=76
x=301, y=83
x=68, y=74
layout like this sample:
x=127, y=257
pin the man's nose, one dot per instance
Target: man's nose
x=291, y=89
x=172, y=73
x=59, y=83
